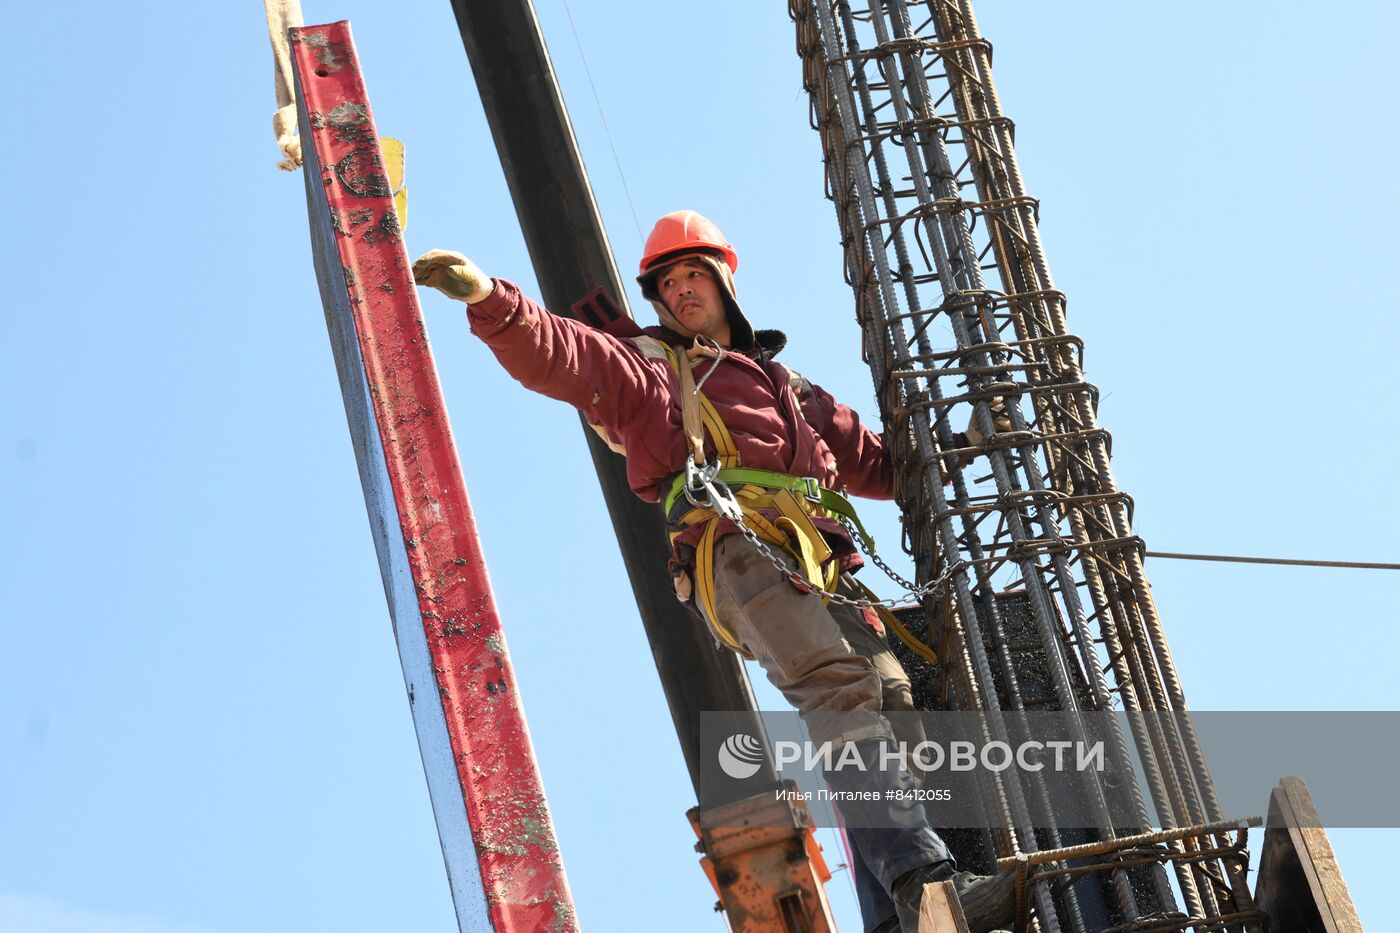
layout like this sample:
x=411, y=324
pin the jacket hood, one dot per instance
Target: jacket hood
x=741, y=332
x=767, y=344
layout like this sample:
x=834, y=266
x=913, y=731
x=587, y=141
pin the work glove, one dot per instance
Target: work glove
x=1000, y=416
x=973, y=437
x=453, y=274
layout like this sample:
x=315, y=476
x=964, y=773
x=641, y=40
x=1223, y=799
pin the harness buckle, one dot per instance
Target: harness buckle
x=811, y=489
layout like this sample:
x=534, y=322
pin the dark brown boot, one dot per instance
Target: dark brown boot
x=908, y=892
x=988, y=901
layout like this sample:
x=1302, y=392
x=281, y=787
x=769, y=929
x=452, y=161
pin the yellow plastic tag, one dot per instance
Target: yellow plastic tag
x=393, y=165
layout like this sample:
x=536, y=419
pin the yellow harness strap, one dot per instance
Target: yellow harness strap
x=812, y=550
x=901, y=631
x=705, y=584
x=690, y=412
x=696, y=411
x=793, y=530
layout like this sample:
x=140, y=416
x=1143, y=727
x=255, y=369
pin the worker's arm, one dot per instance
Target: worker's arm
x=861, y=458
x=603, y=377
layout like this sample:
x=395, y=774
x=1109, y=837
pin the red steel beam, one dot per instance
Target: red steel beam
x=498, y=842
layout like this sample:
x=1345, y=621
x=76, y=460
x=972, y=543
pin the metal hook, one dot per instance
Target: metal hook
x=703, y=340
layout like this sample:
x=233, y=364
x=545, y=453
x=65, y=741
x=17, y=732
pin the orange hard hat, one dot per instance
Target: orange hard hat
x=686, y=231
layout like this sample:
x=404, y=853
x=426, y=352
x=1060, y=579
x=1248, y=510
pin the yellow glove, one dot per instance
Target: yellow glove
x=975, y=438
x=1000, y=417
x=454, y=275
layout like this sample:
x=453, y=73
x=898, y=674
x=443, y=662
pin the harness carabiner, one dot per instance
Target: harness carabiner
x=697, y=481
x=717, y=496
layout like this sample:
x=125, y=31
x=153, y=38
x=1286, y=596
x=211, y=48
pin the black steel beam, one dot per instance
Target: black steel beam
x=571, y=256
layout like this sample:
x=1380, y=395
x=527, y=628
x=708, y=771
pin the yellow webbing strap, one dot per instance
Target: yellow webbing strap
x=793, y=531
x=725, y=450
x=810, y=548
x=705, y=584
x=750, y=501
x=901, y=631
x=690, y=407
x=805, y=486
x=696, y=411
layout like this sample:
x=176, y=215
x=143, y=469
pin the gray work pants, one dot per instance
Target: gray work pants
x=841, y=676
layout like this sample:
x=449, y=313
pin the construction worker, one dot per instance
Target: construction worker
x=748, y=460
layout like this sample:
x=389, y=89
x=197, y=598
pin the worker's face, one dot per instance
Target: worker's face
x=689, y=291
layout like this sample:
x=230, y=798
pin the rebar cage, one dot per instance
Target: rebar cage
x=1042, y=600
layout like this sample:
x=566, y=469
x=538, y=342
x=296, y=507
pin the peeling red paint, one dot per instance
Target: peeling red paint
x=519, y=857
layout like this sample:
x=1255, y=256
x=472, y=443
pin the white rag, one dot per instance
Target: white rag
x=281, y=16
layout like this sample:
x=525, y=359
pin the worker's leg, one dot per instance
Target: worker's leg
x=877, y=911
x=799, y=645
x=896, y=696
x=839, y=693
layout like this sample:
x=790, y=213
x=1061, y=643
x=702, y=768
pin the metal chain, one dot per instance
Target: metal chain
x=912, y=588
x=704, y=489
x=795, y=577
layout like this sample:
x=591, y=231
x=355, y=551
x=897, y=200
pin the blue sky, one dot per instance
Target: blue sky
x=203, y=725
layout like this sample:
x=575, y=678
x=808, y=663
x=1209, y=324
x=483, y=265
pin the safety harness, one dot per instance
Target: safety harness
x=723, y=489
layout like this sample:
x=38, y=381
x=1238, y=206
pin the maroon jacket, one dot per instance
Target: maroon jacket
x=636, y=400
